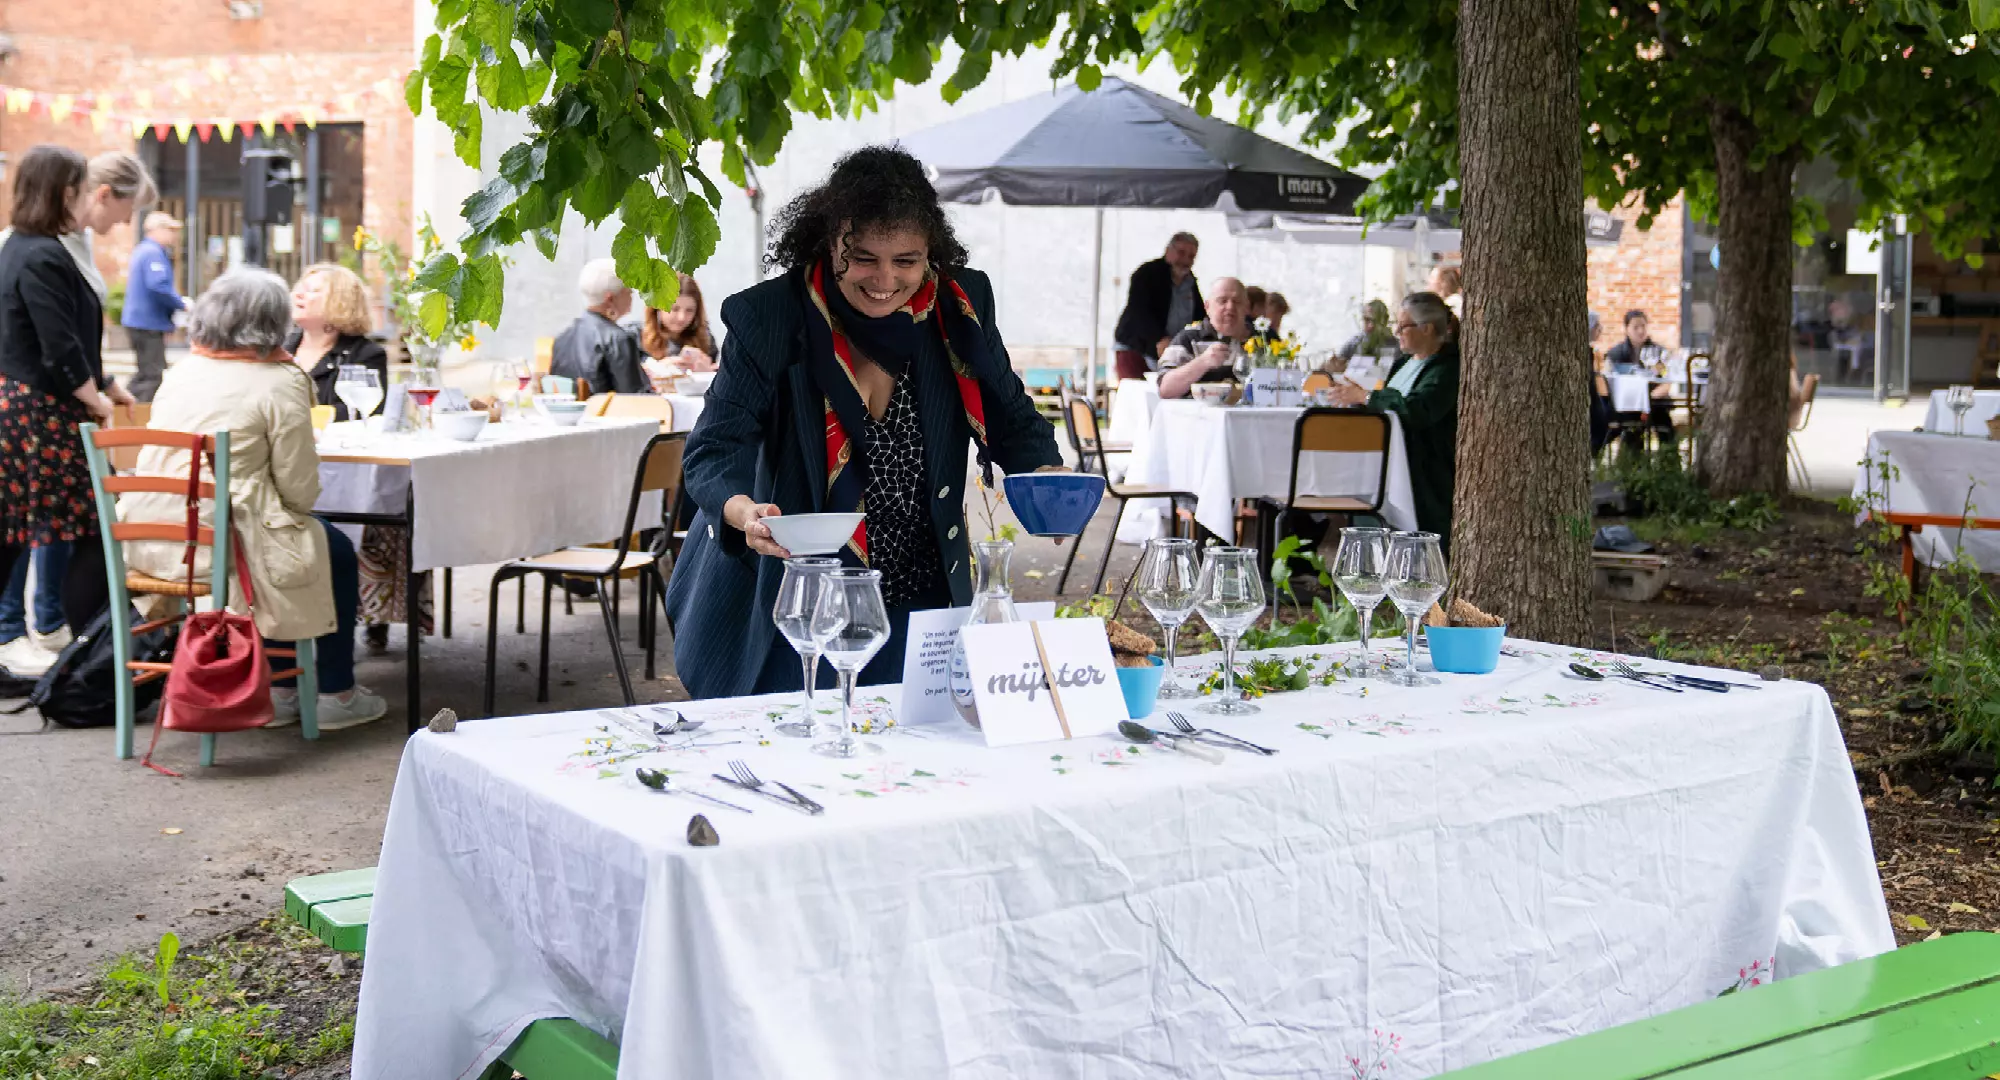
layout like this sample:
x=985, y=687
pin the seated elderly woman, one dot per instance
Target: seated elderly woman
x=239, y=379
x=1423, y=393
x=596, y=348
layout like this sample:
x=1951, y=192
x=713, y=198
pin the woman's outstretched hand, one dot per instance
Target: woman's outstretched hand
x=746, y=515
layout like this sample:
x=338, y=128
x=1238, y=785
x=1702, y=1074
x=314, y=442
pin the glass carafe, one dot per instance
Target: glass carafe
x=992, y=602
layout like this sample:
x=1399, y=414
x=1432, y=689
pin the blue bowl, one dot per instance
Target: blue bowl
x=1465, y=650
x=1142, y=687
x=1054, y=504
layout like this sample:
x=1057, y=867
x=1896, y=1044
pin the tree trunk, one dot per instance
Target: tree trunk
x=1521, y=513
x=1743, y=431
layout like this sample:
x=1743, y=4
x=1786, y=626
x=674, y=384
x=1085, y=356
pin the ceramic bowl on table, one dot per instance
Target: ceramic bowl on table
x=1210, y=393
x=462, y=426
x=561, y=410
x=1054, y=503
x=694, y=383
x=1465, y=650
x=812, y=534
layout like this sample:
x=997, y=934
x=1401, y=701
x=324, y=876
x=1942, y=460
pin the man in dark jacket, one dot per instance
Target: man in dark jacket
x=1163, y=299
x=595, y=348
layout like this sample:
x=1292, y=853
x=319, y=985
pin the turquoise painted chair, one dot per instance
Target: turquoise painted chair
x=124, y=584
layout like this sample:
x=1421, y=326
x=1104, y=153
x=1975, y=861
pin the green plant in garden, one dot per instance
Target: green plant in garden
x=426, y=313
x=1660, y=483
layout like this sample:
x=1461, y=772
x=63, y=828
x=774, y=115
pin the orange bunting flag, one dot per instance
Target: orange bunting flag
x=246, y=126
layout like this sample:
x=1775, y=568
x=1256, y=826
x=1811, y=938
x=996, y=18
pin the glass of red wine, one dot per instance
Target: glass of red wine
x=425, y=383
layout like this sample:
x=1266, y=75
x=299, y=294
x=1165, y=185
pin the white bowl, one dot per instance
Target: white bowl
x=564, y=417
x=463, y=426
x=1210, y=393
x=812, y=534
x=694, y=383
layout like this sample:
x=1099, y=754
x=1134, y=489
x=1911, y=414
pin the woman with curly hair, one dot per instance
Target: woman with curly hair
x=681, y=331
x=853, y=381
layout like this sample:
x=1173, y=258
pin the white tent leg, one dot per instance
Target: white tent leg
x=1096, y=299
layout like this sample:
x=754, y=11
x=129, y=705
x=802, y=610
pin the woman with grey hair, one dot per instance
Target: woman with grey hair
x=1423, y=393
x=239, y=378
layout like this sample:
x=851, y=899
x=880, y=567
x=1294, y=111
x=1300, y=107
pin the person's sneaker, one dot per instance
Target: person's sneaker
x=55, y=640
x=351, y=709
x=284, y=706
x=24, y=659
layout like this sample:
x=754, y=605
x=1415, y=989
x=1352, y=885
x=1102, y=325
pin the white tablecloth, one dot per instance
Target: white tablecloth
x=686, y=410
x=1985, y=405
x=1132, y=406
x=1630, y=393
x=1226, y=454
x=1937, y=473
x=1471, y=870
x=523, y=488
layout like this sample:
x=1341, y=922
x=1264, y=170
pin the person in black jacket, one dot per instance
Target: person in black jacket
x=1163, y=299
x=330, y=321
x=51, y=378
x=595, y=348
x=854, y=380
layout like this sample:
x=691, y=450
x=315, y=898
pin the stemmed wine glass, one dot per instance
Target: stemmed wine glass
x=1416, y=577
x=359, y=388
x=424, y=387
x=849, y=625
x=1357, y=573
x=1230, y=596
x=1959, y=400
x=798, y=595
x=1167, y=578
x=509, y=379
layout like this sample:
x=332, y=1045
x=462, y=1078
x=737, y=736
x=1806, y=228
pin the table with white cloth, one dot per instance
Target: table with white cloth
x=1985, y=406
x=687, y=409
x=1226, y=453
x=525, y=487
x=1630, y=393
x=1425, y=878
x=1929, y=472
x=1133, y=403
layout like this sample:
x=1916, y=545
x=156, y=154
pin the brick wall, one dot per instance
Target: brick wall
x=1643, y=272
x=326, y=54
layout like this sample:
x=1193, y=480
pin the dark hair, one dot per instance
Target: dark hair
x=873, y=187
x=654, y=337
x=1255, y=295
x=1635, y=313
x=43, y=183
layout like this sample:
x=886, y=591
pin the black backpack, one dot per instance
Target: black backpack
x=79, y=689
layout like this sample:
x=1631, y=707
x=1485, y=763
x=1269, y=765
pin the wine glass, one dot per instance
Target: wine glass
x=425, y=384
x=798, y=594
x=359, y=388
x=509, y=379
x=1230, y=596
x=849, y=625
x=1167, y=578
x=1416, y=577
x=1357, y=573
x=1959, y=400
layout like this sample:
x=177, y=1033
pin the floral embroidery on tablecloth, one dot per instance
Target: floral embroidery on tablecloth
x=1064, y=764
x=873, y=714
x=1382, y=1046
x=1371, y=724
x=897, y=778
x=1521, y=705
x=1757, y=974
x=606, y=751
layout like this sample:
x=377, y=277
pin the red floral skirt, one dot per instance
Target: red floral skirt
x=43, y=473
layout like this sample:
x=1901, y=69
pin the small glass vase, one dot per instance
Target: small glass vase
x=992, y=602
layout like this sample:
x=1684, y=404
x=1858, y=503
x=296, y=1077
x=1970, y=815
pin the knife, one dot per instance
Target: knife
x=815, y=808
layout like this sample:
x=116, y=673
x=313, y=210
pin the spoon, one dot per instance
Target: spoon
x=1598, y=676
x=1140, y=733
x=657, y=780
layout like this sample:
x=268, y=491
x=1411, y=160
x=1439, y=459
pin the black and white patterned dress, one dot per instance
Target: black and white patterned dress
x=900, y=542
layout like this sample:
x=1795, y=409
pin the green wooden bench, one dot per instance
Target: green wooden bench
x=336, y=906
x=1929, y=1010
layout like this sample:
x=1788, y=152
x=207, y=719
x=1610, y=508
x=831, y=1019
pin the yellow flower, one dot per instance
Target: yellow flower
x=360, y=235
x=470, y=343
x=410, y=272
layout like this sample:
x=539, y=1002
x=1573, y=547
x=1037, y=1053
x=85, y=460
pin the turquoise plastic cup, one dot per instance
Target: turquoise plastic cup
x=1142, y=687
x=1465, y=650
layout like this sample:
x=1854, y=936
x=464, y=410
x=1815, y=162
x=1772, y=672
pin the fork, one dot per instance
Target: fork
x=1628, y=671
x=1181, y=725
x=748, y=781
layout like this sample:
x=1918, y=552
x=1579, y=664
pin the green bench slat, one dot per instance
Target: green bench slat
x=1956, y=1035
x=558, y=1049
x=343, y=924
x=1789, y=1007
x=303, y=894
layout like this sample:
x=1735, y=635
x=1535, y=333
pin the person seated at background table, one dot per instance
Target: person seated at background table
x=854, y=380
x=680, y=333
x=330, y=325
x=1254, y=309
x=1276, y=307
x=1627, y=358
x=1601, y=413
x=239, y=378
x=595, y=348
x=1163, y=297
x=1423, y=393
x=1373, y=338
x=1201, y=353
x=1448, y=282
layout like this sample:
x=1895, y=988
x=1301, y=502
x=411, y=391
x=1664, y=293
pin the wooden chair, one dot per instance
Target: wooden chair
x=1080, y=423
x=545, y=354
x=1089, y=448
x=124, y=583
x=596, y=404
x=1808, y=389
x=648, y=405
x=1328, y=431
x=659, y=470
x=1316, y=381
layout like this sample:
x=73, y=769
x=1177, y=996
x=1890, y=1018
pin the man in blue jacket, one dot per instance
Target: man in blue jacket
x=151, y=300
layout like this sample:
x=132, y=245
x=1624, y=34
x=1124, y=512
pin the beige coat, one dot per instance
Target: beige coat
x=273, y=483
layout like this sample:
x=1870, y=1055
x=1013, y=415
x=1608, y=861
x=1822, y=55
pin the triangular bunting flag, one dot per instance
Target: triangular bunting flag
x=286, y=123
x=310, y=115
x=139, y=128
x=60, y=108
x=160, y=131
x=225, y=129
x=264, y=123
x=246, y=126
x=204, y=130
x=181, y=128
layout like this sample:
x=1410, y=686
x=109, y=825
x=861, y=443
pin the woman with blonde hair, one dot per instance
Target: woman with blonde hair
x=681, y=332
x=331, y=322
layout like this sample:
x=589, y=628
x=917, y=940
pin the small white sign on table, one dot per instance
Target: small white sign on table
x=927, y=661
x=1041, y=681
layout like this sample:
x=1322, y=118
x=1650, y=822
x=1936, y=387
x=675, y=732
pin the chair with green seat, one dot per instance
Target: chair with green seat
x=556, y=1048
x=1686, y=1042
x=123, y=584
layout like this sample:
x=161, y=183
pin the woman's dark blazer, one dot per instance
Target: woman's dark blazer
x=347, y=349
x=762, y=433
